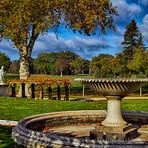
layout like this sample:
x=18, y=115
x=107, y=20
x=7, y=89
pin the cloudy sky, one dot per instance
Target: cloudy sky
x=89, y=46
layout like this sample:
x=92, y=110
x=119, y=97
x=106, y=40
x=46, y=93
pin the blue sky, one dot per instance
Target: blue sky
x=89, y=46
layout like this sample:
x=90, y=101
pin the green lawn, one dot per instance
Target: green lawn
x=16, y=109
x=5, y=138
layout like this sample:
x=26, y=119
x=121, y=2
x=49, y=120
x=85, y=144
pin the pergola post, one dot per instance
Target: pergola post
x=32, y=90
x=23, y=90
x=59, y=92
x=66, y=92
x=49, y=93
x=41, y=92
x=13, y=93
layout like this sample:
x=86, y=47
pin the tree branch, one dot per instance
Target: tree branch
x=33, y=38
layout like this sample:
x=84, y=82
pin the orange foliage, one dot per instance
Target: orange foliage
x=42, y=80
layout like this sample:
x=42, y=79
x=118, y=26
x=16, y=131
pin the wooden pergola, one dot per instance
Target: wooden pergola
x=42, y=83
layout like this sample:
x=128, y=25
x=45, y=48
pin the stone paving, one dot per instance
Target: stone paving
x=81, y=131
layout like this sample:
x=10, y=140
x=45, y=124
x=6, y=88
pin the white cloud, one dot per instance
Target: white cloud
x=6, y=47
x=144, y=27
x=82, y=45
x=85, y=46
x=143, y=2
x=126, y=10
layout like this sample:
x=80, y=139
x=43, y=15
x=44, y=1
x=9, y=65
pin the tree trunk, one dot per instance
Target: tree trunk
x=25, y=59
x=61, y=73
x=25, y=50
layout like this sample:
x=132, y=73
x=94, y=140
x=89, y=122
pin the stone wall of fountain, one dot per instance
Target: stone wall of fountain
x=30, y=131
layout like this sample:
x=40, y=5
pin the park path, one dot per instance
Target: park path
x=8, y=123
x=127, y=98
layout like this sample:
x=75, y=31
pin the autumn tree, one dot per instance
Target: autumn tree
x=63, y=62
x=101, y=65
x=139, y=64
x=45, y=63
x=119, y=66
x=80, y=65
x=14, y=67
x=22, y=21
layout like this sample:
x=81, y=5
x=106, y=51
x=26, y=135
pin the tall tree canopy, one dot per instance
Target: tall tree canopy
x=80, y=66
x=101, y=65
x=4, y=61
x=132, y=39
x=45, y=63
x=22, y=21
x=63, y=62
x=139, y=64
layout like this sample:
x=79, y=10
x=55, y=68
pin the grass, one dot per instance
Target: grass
x=5, y=138
x=15, y=109
x=18, y=108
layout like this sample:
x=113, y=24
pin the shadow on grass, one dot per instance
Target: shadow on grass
x=5, y=138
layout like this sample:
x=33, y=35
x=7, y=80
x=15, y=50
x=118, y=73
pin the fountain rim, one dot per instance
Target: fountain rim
x=55, y=139
x=140, y=80
x=57, y=114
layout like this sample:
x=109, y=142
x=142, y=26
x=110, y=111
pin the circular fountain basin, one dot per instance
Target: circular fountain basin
x=71, y=129
x=113, y=87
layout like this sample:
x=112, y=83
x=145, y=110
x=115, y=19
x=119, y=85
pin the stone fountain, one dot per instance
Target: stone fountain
x=89, y=128
x=114, y=90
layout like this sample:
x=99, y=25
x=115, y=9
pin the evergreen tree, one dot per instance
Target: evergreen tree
x=140, y=43
x=132, y=39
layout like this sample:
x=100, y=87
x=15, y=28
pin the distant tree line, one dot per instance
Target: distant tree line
x=132, y=61
x=58, y=63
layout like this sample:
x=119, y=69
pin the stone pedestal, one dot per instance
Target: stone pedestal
x=114, y=133
x=114, y=127
x=114, y=115
x=4, y=90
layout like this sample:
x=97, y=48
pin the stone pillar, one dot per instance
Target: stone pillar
x=13, y=93
x=49, y=93
x=114, y=116
x=66, y=93
x=23, y=90
x=32, y=90
x=41, y=92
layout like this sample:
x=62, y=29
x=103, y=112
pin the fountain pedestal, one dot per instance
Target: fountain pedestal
x=114, y=116
x=114, y=127
x=127, y=132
